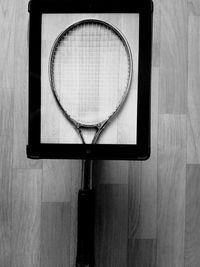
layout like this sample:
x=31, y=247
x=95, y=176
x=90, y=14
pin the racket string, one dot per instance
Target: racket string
x=91, y=70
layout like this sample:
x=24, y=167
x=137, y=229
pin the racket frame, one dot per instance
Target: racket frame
x=100, y=126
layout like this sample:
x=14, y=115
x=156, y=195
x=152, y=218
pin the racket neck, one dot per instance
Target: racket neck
x=86, y=183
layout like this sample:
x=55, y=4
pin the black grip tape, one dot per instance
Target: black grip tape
x=85, y=242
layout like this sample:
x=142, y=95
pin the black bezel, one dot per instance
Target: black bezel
x=140, y=151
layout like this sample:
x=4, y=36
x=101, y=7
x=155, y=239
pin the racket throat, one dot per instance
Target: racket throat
x=88, y=134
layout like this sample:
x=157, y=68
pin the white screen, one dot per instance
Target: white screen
x=55, y=128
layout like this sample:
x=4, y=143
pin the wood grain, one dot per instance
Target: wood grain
x=110, y=172
x=26, y=211
x=142, y=253
x=171, y=190
x=193, y=131
x=134, y=198
x=111, y=225
x=194, y=7
x=156, y=34
x=6, y=156
x=5, y=234
x=7, y=18
x=192, y=232
x=57, y=180
x=173, y=57
x=55, y=234
x=7, y=34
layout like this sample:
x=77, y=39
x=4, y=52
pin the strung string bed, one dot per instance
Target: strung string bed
x=90, y=72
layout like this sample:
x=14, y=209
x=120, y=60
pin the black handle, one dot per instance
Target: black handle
x=85, y=243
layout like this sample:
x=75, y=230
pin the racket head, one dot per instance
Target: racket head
x=90, y=72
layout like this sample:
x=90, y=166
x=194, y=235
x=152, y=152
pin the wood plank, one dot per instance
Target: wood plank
x=6, y=142
x=5, y=234
x=111, y=225
x=61, y=182
x=142, y=253
x=134, y=198
x=110, y=172
x=193, y=132
x=171, y=190
x=20, y=75
x=7, y=22
x=173, y=59
x=194, y=7
x=156, y=34
x=7, y=19
x=55, y=234
x=26, y=209
x=192, y=231
x=57, y=179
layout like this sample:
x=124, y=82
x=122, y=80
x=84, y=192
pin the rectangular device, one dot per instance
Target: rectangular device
x=89, y=80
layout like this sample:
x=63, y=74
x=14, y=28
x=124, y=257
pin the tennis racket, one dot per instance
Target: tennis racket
x=90, y=73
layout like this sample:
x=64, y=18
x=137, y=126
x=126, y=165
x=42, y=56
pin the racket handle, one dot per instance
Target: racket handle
x=85, y=242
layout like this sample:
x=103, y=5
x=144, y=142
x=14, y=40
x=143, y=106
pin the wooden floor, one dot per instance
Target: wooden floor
x=148, y=214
